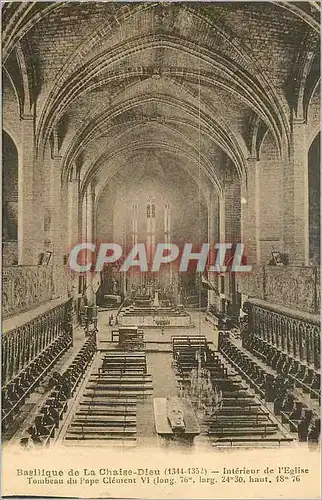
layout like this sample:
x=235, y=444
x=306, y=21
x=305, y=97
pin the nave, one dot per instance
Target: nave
x=161, y=123
x=105, y=396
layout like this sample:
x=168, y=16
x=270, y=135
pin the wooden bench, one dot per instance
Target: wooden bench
x=132, y=377
x=123, y=354
x=231, y=410
x=117, y=420
x=110, y=402
x=96, y=435
x=242, y=423
x=239, y=404
x=120, y=394
x=119, y=386
x=238, y=417
x=121, y=410
x=252, y=439
x=119, y=371
x=242, y=431
x=105, y=432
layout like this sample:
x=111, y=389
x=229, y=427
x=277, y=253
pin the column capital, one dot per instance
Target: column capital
x=299, y=121
x=26, y=117
x=55, y=156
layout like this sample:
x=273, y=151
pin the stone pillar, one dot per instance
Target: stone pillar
x=89, y=215
x=30, y=198
x=58, y=238
x=222, y=239
x=84, y=217
x=250, y=217
x=93, y=213
x=222, y=232
x=38, y=214
x=55, y=198
x=213, y=227
x=87, y=232
x=73, y=211
x=298, y=171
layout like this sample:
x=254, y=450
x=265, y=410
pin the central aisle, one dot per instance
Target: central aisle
x=163, y=378
x=159, y=362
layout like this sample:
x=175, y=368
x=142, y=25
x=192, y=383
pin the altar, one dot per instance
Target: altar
x=153, y=318
x=148, y=312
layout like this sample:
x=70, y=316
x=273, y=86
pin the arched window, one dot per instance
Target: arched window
x=314, y=200
x=10, y=200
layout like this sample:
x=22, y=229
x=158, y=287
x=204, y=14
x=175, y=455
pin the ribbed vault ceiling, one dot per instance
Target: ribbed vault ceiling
x=192, y=85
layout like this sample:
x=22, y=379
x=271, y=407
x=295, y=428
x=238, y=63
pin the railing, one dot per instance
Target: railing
x=294, y=333
x=21, y=345
x=295, y=287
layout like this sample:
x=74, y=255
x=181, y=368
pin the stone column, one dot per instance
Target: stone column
x=30, y=198
x=93, y=213
x=87, y=234
x=222, y=232
x=73, y=210
x=84, y=217
x=222, y=239
x=213, y=227
x=58, y=199
x=89, y=214
x=250, y=216
x=298, y=173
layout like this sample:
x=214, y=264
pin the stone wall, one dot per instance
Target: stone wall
x=23, y=287
x=295, y=287
x=10, y=253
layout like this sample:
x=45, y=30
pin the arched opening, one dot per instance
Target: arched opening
x=314, y=201
x=10, y=200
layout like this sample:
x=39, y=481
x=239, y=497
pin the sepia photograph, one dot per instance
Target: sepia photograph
x=161, y=249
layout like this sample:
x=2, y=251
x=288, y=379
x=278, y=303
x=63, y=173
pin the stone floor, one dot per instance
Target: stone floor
x=159, y=364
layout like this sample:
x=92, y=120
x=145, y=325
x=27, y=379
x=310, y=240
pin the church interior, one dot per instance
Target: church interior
x=161, y=122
